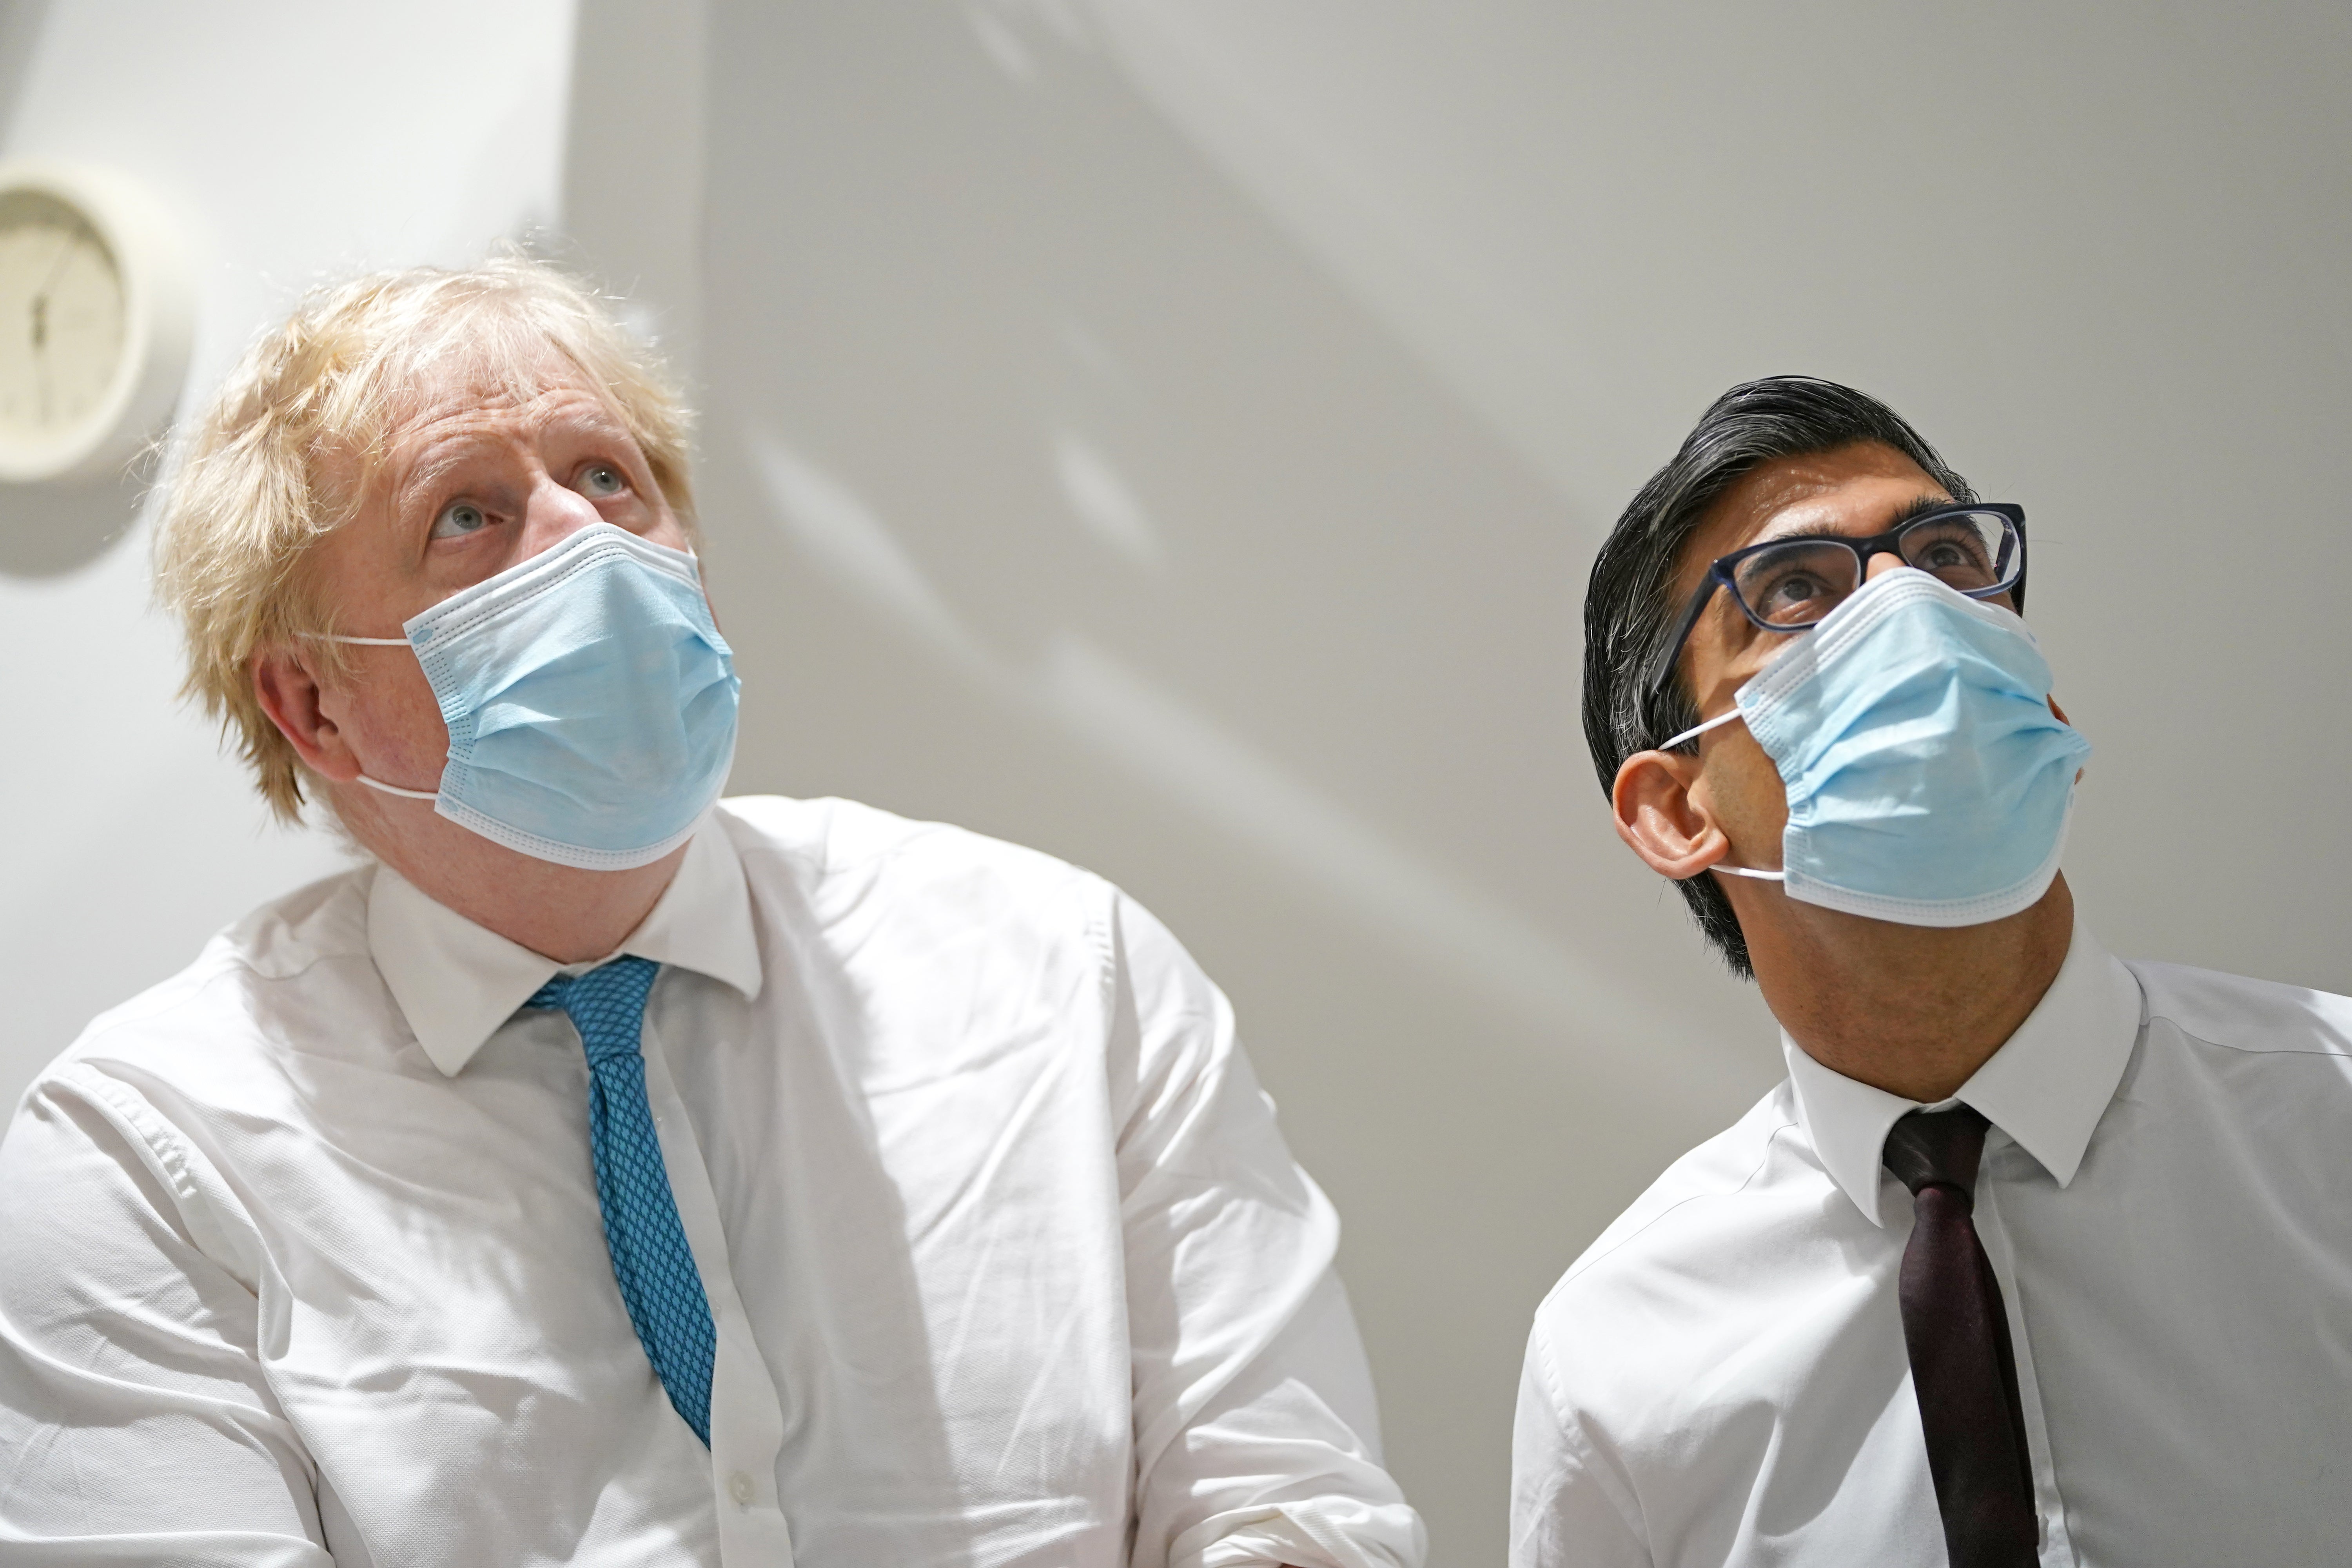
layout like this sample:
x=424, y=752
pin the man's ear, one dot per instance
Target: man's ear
x=1656, y=815
x=287, y=685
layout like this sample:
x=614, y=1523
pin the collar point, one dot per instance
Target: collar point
x=447, y=1060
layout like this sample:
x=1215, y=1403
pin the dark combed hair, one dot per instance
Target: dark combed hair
x=1630, y=605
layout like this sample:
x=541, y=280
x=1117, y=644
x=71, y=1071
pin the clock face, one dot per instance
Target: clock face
x=62, y=327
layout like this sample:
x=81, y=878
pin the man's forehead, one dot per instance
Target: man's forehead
x=441, y=417
x=434, y=412
x=437, y=398
x=1857, y=489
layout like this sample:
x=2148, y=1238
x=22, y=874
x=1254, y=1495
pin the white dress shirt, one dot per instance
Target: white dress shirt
x=2166, y=1197
x=300, y=1258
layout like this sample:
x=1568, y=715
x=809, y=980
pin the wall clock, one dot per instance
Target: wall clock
x=97, y=309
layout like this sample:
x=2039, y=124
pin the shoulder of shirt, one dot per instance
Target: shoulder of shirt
x=829, y=845
x=1657, y=1298
x=1733, y=1164
x=2236, y=1013
x=198, y=1017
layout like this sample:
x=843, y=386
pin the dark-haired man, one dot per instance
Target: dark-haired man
x=2035, y=1256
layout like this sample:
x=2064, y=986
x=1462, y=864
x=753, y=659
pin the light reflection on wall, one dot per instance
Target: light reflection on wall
x=1054, y=488
x=1201, y=767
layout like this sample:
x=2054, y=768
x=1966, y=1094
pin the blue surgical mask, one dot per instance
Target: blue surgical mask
x=1928, y=781
x=589, y=701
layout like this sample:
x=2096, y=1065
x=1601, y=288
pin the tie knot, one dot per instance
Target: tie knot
x=1938, y=1148
x=607, y=1005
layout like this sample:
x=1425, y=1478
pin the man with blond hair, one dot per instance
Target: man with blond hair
x=601, y=1172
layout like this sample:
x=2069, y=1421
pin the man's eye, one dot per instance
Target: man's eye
x=598, y=480
x=1791, y=594
x=459, y=518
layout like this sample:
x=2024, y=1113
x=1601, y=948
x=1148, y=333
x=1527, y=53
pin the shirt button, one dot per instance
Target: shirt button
x=738, y=1487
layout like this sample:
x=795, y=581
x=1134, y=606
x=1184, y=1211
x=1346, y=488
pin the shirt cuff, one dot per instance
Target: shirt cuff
x=1327, y=1532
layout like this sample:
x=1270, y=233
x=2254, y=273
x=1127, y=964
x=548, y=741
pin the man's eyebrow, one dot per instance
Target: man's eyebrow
x=1921, y=508
x=426, y=473
x=445, y=455
x=1917, y=509
x=593, y=413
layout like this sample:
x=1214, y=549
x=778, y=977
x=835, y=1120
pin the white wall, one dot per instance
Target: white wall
x=293, y=143
x=1174, y=433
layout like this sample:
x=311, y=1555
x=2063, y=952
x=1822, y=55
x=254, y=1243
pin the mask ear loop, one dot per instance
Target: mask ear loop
x=1692, y=734
x=1696, y=730
x=395, y=789
x=379, y=783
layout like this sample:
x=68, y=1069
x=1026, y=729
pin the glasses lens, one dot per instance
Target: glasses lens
x=1971, y=551
x=1796, y=583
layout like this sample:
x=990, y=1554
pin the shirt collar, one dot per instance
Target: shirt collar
x=2046, y=1086
x=457, y=982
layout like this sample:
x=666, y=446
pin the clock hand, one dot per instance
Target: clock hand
x=57, y=265
x=41, y=325
x=41, y=356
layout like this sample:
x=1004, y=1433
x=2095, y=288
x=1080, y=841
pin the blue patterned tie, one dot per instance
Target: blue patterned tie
x=651, y=1260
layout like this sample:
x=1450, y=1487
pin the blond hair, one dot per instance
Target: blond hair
x=265, y=472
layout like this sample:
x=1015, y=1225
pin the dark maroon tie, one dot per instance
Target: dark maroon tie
x=1958, y=1334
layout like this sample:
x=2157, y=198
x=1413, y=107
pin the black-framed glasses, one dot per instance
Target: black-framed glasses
x=1790, y=584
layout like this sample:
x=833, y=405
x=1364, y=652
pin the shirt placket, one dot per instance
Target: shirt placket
x=2057, y=1544
x=747, y=1420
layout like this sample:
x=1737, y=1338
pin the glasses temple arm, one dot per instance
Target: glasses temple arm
x=1670, y=653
